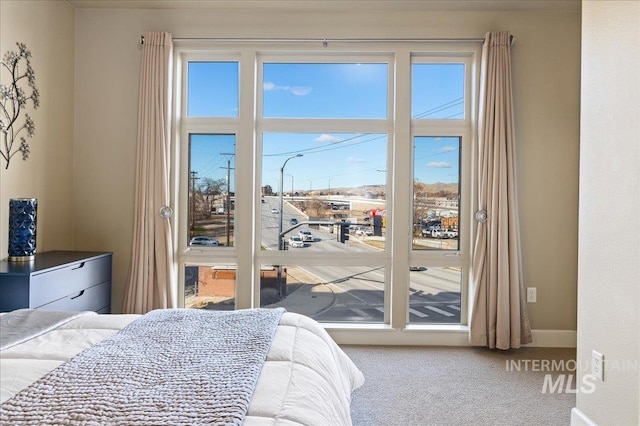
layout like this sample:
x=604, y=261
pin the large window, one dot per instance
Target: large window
x=325, y=90
x=211, y=190
x=335, y=185
x=438, y=91
x=212, y=89
x=436, y=193
x=311, y=181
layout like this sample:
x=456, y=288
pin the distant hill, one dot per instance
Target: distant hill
x=438, y=189
x=435, y=189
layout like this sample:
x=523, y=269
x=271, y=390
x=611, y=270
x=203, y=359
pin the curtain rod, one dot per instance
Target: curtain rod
x=326, y=41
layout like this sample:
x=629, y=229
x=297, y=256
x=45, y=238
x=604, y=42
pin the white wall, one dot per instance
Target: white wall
x=609, y=256
x=546, y=75
x=48, y=30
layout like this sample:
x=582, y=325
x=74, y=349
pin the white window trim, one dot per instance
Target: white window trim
x=399, y=126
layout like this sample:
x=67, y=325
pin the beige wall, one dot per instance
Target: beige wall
x=92, y=208
x=48, y=30
x=546, y=74
x=609, y=260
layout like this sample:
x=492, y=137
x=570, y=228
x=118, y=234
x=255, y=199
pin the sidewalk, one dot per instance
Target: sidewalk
x=307, y=299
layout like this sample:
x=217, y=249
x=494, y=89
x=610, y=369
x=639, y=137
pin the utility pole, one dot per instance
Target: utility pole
x=193, y=201
x=228, y=201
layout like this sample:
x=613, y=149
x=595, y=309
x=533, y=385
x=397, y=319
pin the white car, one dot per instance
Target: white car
x=274, y=211
x=364, y=231
x=204, y=241
x=306, y=235
x=295, y=241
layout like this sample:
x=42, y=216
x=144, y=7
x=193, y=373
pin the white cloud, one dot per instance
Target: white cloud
x=301, y=90
x=355, y=160
x=295, y=90
x=448, y=149
x=439, y=165
x=327, y=138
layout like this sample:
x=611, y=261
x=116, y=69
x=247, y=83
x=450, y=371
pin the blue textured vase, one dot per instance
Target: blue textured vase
x=22, y=229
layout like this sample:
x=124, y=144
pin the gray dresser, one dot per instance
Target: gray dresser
x=58, y=280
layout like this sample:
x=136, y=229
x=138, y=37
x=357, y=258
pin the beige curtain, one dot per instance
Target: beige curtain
x=499, y=316
x=152, y=277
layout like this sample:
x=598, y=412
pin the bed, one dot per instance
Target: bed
x=306, y=378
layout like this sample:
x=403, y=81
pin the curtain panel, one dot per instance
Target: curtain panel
x=152, y=276
x=499, y=315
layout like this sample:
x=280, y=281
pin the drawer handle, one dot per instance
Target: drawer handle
x=78, y=267
x=80, y=294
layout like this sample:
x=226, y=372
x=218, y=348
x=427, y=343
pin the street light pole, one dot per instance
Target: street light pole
x=280, y=245
x=280, y=192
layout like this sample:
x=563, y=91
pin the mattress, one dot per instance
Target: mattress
x=306, y=379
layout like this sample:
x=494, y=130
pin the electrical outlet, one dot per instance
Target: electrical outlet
x=531, y=295
x=597, y=365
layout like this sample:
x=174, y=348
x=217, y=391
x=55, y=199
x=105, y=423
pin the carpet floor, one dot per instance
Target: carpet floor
x=424, y=386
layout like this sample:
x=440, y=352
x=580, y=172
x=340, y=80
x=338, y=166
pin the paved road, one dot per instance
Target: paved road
x=270, y=222
x=359, y=291
x=359, y=294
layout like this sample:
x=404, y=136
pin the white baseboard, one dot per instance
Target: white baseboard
x=578, y=418
x=438, y=336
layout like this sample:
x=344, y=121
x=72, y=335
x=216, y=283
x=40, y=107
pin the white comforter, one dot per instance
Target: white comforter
x=307, y=379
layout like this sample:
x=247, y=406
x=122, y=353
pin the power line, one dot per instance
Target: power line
x=439, y=108
x=330, y=148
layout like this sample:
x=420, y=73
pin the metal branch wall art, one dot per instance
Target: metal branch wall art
x=14, y=101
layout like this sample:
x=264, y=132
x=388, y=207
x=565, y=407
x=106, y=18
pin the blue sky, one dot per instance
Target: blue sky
x=346, y=91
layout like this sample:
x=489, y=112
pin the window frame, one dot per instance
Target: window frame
x=462, y=128
x=399, y=126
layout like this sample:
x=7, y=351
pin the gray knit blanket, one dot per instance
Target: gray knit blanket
x=24, y=324
x=173, y=367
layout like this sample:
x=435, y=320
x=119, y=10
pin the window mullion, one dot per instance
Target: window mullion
x=401, y=194
x=245, y=198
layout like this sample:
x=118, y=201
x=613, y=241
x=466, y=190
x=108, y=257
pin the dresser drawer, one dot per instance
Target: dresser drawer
x=68, y=281
x=94, y=298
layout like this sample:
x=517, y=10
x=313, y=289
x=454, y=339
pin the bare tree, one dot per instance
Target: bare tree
x=208, y=190
x=316, y=207
x=420, y=207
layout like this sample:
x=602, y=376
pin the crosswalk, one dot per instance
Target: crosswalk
x=418, y=313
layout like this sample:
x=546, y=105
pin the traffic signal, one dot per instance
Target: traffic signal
x=343, y=235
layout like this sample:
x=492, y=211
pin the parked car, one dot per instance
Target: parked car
x=293, y=221
x=295, y=241
x=444, y=233
x=417, y=268
x=203, y=241
x=274, y=211
x=306, y=235
x=427, y=231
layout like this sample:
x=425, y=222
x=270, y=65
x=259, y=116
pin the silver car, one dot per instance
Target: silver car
x=306, y=235
x=204, y=241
